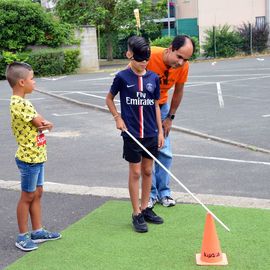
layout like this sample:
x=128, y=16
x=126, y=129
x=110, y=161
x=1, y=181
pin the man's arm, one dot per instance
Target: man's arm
x=175, y=102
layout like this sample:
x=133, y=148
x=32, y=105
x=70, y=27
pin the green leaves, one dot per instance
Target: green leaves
x=225, y=41
x=114, y=18
x=25, y=23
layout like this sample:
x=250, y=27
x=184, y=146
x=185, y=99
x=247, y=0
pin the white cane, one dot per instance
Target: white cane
x=177, y=180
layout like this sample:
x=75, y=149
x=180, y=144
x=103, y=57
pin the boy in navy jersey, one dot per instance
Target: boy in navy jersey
x=140, y=115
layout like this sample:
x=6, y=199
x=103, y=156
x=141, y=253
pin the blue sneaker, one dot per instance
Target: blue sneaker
x=25, y=243
x=44, y=235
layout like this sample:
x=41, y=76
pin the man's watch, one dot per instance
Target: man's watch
x=170, y=116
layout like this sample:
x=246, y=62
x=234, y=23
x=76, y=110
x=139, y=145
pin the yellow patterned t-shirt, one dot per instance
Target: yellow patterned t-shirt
x=26, y=134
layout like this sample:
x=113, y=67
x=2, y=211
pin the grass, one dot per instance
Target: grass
x=104, y=240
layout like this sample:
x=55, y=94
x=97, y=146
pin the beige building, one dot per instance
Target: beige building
x=193, y=17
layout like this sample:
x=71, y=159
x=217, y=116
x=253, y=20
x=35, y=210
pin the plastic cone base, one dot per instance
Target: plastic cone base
x=224, y=260
x=211, y=253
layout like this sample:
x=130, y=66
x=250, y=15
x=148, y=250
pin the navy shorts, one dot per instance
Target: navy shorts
x=133, y=153
x=32, y=175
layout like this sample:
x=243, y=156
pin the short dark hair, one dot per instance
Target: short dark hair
x=139, y=47
x=180, y=41
x=16, y=71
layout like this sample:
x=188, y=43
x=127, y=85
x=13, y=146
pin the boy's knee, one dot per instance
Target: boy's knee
x=39, y=191
x=136, y=174
x=147, y=172
x=28, y=196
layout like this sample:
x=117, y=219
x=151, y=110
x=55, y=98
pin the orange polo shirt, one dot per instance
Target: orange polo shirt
x=167, y=77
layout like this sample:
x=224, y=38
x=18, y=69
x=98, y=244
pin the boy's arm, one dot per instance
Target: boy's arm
x=159, y=125
x=41, y=123
x=120, y=124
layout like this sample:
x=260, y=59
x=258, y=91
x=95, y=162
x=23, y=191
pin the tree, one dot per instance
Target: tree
x=26, y=23
x=112, y=17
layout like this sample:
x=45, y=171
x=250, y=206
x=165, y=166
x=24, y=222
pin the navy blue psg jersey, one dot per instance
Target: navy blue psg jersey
x=137, y=96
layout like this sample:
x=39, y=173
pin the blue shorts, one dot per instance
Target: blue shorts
x=32, y=175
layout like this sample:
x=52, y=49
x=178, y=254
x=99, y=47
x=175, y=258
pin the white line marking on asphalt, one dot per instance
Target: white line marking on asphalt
x=229, y=75
x=220, y=98
x=266, y=115
x=245, y=69
x=69, y=114
x=96, y=79
x=197, y=82
x=64, y=134
x=60, y=91
x=224, y=159
x=91, y=95
x=122, y=193
x=53, y=79
x=96, y=92
x=8, y=99
x=67, y=93
x=96, y=96
x=229, y=81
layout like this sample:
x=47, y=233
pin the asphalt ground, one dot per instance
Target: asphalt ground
x=226, y=99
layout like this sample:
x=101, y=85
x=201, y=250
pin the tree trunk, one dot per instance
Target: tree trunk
x=109, y=48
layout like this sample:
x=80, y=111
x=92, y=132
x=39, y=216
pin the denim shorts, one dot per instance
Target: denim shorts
x=32, y=175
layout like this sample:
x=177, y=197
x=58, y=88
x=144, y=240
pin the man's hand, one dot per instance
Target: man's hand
x=167, y=124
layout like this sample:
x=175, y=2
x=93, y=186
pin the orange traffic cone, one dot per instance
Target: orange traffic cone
x=211, y=253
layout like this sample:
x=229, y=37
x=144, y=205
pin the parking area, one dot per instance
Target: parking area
x=228, y=99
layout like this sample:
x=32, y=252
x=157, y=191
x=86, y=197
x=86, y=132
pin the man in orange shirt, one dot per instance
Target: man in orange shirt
x=171, y=65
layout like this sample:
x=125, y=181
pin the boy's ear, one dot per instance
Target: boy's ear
x=129, y=54
x=20, y=82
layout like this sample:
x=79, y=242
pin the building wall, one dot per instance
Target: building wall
x=186, y=9
x=231, y=12
x=220, y=12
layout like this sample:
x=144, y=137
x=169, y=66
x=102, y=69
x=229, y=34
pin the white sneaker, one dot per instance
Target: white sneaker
x=152, y=202
x=167, y=201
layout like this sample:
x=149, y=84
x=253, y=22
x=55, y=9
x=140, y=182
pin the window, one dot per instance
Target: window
x=260, y=22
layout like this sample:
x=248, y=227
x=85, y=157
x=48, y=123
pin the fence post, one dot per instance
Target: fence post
x=214, y=42
x=88, y=49
x=250, y=38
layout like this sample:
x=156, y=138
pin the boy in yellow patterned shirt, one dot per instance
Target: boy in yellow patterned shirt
x=28, y=128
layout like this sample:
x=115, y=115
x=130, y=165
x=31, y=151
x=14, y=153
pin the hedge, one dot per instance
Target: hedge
x=46, y=62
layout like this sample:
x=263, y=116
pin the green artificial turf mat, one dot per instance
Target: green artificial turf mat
x=104, y=239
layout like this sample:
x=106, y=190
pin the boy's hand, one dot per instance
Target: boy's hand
x=160, y=140
x=120, y=124
x=45, y=125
